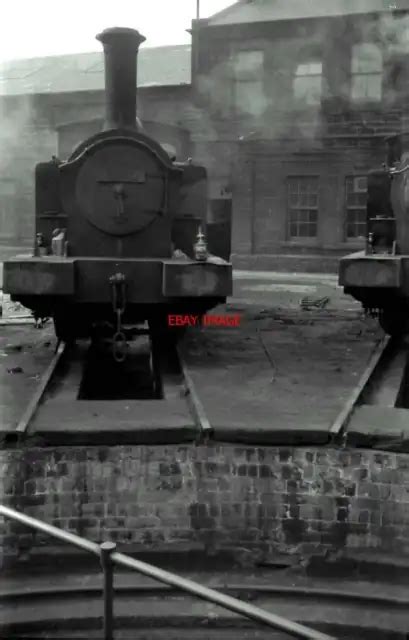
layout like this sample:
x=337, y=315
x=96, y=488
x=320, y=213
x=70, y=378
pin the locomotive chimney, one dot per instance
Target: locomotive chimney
x=121, y=48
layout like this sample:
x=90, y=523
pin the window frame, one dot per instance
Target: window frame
x=311, y=60
x=362, y=100
x=252, y=77
x=9, y=198
x=297, y=239
x=354, y=239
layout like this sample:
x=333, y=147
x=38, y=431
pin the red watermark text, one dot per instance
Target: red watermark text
x=204, y=321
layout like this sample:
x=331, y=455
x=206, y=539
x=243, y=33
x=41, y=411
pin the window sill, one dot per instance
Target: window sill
x=377, y=106
x=352, y=246
x=316, y=242
x=310, y=242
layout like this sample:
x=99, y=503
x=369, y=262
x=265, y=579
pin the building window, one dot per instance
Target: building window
x=355, y=196
x=307, y=84
x=248, y=82
x=302, y=207
x=7, y=211
x=366, y=73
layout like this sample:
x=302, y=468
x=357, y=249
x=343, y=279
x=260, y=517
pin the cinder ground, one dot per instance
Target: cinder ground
x=24, y=354
x=283, y=372
x=287, y=290
x=286, y=368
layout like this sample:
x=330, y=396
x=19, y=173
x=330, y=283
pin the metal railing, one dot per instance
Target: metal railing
x=109, y=557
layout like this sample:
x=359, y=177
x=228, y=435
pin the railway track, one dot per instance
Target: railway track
x=86, y=382
x=157, y=611
x=377, y=410
x=38, y=395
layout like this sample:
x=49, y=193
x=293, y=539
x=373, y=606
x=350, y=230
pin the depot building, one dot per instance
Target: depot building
x=286, y=104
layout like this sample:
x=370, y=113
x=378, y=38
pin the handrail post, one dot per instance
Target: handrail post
x=105, y=552
x=106, y=548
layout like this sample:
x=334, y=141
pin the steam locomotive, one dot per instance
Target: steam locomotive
x=119, y=225
x=379, y=276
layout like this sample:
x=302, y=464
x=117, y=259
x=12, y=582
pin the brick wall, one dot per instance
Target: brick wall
x=264, y=499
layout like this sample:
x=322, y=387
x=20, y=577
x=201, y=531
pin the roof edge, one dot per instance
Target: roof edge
x=87, y=53
x=240, y=4
x=140, y=87
x=225, y=11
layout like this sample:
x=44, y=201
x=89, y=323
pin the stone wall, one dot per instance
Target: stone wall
x=260, y=199
x=26, y=137
x=334, y=139
x=265, y=499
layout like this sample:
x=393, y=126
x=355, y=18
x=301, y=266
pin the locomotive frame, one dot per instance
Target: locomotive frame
x=378, y=276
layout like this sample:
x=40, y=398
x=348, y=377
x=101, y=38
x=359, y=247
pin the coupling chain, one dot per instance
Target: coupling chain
x=119, y=343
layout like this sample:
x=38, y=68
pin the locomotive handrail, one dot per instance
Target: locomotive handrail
x=397, y=171
x=109, y=557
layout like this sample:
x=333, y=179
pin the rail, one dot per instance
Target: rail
x=109, y=557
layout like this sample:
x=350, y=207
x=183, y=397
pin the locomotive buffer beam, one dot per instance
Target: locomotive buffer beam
x=376, y=414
